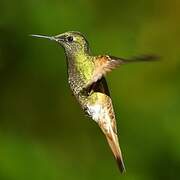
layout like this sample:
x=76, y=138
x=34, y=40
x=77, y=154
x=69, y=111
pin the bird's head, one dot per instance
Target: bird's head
x=73, y=42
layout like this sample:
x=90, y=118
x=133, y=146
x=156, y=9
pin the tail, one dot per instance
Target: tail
x=113, y=142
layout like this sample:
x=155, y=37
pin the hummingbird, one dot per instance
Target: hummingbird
x=86, y=78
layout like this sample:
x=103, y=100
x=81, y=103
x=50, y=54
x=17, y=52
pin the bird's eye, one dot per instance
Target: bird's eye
x=70, y=39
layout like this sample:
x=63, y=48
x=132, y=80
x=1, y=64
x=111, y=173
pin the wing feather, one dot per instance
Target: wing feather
x=105, y=64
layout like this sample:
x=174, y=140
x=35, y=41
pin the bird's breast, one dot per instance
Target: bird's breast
x=79, y=76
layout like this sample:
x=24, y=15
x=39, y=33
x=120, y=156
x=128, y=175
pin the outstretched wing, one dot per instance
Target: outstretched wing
x=105, y=64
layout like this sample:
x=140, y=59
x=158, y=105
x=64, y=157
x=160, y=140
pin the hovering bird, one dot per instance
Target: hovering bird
x=86, y=77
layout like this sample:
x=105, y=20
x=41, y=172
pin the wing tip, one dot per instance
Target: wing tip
x=150, y=57
x=141, y=58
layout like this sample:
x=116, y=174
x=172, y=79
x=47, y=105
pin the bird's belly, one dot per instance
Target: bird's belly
x=97, y=106
x=94, y=111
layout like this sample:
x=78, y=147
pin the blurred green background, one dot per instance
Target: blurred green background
x=44, y=135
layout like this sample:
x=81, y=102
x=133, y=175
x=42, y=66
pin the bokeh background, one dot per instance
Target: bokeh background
x=44, y=135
